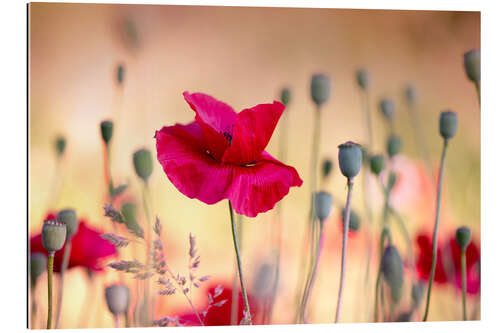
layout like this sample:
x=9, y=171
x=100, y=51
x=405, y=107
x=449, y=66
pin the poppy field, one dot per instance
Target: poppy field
x=208, y=166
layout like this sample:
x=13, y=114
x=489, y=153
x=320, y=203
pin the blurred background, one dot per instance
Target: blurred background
x=245, y=56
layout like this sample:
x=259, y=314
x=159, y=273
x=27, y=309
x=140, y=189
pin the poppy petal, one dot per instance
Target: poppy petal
x=193, y=172
x=257, y=188
x=252, y=132
x=216, y=120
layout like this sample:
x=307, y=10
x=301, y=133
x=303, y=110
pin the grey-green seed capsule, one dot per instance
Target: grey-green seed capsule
x=472, y=64
x=38, y=265
x=60, y=145
x=286, y=95
x=354, y=220
x=323, y=202
x=392, y=271
x=120, y=74
x=106, y=131
x=388, y=109
x=417, y=291
x=350, y=159
x=463, y=237
x=393, y=145
x=68, y=217
x=327, y=168
x=411, y=94
x=53, y=235
x=117, y=298
x=363, y=78
x=377, y=164
x=143, y=163
x=448, y=123
x=320, y=88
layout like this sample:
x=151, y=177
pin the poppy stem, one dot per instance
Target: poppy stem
x=406, y=235
x=434, y=236
x=145, y=201
x=50, y=269
x=385, y=234
x=464, y=284
x=345, y=230
x=478, y=91
x=64, y=266
x=420, y=138
x=33, y=307
x=238, y=261
x=234, y=294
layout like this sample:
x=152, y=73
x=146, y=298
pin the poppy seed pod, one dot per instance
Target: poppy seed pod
x=417, y=291
x=68, y=217
x=323, y=202
x=60, y=145
x=106, y=131
x=393, y=145
x=120, y=74
x=327, y=167
x=472, y=64
x=391, y=181
x=129, y=212
x=117, y=298
x=377, y=164
x=320, y=88
x=286, y=95
x=404, y=317
x=143, y=163
x=363, y=78
x=354, y=221
x=448, y=123
x=53, y=235
x=38, y=265
x=392, y=270
x=463, y=237
x=388, y=109
x=350, y=159
x=411, y=94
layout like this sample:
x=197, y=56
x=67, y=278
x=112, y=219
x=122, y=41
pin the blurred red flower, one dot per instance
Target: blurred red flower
x=87, y=248
x=448, y=268
x=221, y=155
x=221, y=315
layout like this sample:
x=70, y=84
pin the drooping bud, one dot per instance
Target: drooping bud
x=463, y=236
x=393, y=145
x=143, y=163
x=286, y=95
x=448, y=123
x=363, y=78
x=327, y=167
x=350, y=159
x=417, y=291
x=377, y=164
x=472, y=64
x=53, y=235
x=68, y=217
x=38, y=265
x=354, y=221
x=106, y=131
x=411, y=94
x=117, y=298
x=323, y=202
x=320, y=88
x=392, y=270
x=60, y=145
x=120, y=74
x=388, y=109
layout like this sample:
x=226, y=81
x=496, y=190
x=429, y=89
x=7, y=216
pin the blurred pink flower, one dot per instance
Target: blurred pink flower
x=221, y=155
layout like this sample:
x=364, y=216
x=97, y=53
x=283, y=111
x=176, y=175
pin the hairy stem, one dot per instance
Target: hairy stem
x=64, y=267
x=463, y=264
x=50, y=270
x=435, y=233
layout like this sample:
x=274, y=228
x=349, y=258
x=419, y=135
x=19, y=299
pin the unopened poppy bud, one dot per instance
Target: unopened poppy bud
x=463, y=237
x=377, y=164
x=68, y=217
x=388, y=109
x=320, y=88
x=354, y=221
x=392, y=270
x=38, y=265
x=106, y=131
x=286, y=95
x=117, y=298
x=327, y=167
x=129, y=212
x=120, y=74
x=417, y=291
x=363, y=78
x=448, y=123
x=143, y=163
x=404, y=317
x=350, y=159
x=391, y=181
x=393, y=145
x=53, y=235
x=411, y=94
x=60, y=145
x=472, y=64
x=323, y=202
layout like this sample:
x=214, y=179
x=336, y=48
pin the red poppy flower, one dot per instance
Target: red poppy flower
x=221, y=315
x=221, y=155
x=450, y=266
x=87, y=248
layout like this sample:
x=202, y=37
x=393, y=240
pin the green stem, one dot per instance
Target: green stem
x=464, y=284
x=238, y=261
x=434, y=236
x=478, y=91
x=64, y=266
x=145, y=202
x=127, y=320
x=420, y=139
x=33, y=307
x=345, y=230
x=50, y=270
x=406, y=235
x=234, y=295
